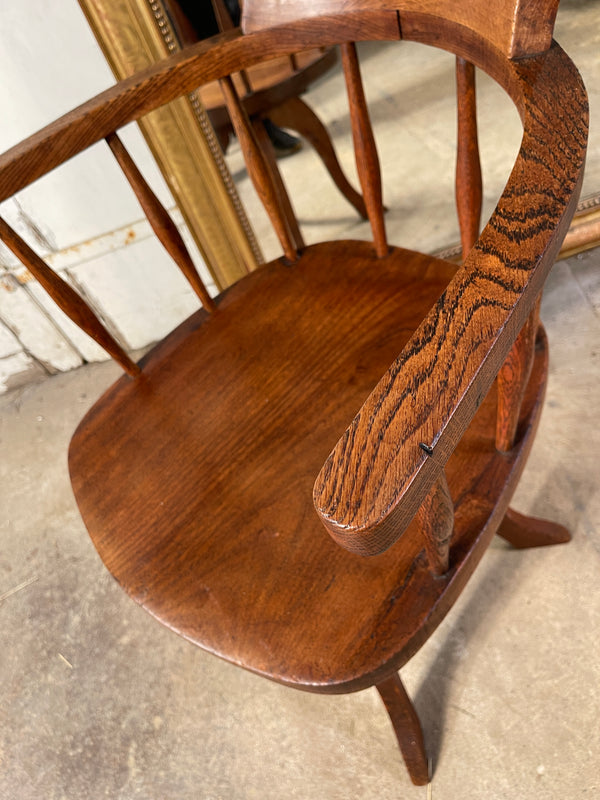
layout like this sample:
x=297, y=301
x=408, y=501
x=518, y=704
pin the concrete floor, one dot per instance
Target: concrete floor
x=98, y=700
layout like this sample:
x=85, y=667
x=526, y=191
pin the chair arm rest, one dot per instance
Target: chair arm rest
x=388, y=459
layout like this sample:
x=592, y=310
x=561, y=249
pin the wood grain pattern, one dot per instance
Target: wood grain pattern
x=160, y=221
x=201, y=508
x=66, y=298
x=406, y=727
x=516, y=27
x=367, y=160
x=265, y=387
x=512, y=380
x=155, y=86
x=433, y=389
x=436, y=519
x=468, y=167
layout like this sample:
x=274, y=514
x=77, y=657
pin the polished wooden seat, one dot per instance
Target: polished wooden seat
x=249, y=416
x=382, y=396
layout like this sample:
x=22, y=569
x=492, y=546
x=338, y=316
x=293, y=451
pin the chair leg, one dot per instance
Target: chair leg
x=407, y=727
x=521, y=531
x=299, y=117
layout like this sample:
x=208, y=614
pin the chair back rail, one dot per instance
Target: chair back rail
x=516, y=27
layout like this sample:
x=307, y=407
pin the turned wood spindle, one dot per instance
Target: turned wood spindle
x=258, y=168
x=160, y=221
x=512, y=381
x=266, y=146
x=367, y=160
x=66, y=298
x=225, y=23
x=436, y=518
x=468, y=166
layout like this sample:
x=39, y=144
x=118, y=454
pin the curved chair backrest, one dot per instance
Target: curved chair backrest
x=515, y=27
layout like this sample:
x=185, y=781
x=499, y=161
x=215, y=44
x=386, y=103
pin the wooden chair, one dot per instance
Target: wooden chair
x=398, y=393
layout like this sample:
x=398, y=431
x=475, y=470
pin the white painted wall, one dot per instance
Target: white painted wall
x=84, y=215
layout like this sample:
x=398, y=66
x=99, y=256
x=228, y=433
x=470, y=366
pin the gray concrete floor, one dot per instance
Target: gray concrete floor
x=98, y=700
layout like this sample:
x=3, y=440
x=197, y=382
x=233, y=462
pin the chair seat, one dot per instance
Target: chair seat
x=209, y=524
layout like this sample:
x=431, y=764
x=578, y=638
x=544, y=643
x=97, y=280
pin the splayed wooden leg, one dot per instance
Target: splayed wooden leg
x=295, y=114
x=407, y=727
x=522, y=531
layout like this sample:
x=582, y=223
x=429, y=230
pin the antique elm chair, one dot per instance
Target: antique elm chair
x=303, y=475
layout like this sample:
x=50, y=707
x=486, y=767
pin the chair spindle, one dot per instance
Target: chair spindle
x=266, y=146
x=436, y=518
x=468, y=166
x=512, y=381
x=66, y=298
x=160, y=221
x=367, y=159
x=225, y=23
x=258, y=168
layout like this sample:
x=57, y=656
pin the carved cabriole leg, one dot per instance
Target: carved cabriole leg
x=512, y=381
x=295, y=114
x=436, y=518
x=407, y=728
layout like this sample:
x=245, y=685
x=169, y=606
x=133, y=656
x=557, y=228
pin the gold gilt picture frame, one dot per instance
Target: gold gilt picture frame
x=132, y=35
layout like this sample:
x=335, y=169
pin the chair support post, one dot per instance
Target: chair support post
x=512, y=381
x=407, y=728
x=436, y=518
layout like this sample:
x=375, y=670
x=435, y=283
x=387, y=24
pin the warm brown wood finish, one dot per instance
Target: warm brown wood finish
x=406, y=727
x=523, y=532
x=284, y=203
x=273, y=91
x=512, y=381
x=465, y=338
x=468, y=167
x=436, y=519
x=515, y=27
x=160, y=221
x=259, y=169
x=65, y=297
x=295, y=114
x=201, y=508
x=367, y=161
